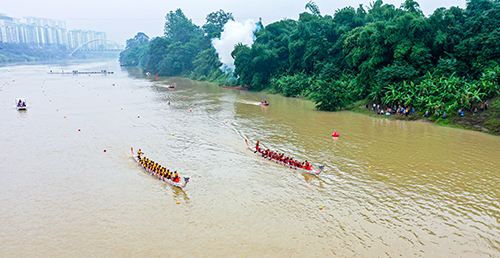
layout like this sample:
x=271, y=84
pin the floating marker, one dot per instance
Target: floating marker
x=320, y=207
x=280, y=139
x=78, y=129
x=122, y=108
x=64, y=116
x=190, y=110
x=104, y=150
x=172, y=134
x=178, y=202
x=108, y=100
x=370, y=167
x=57, y=110
x=335, y=134
x=138, y=117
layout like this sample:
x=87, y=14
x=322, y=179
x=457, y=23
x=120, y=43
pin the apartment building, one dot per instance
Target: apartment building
x=46, y=32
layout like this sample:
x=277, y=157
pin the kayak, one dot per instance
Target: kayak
x=310, y=170
x=263, y=104
x=179, y=184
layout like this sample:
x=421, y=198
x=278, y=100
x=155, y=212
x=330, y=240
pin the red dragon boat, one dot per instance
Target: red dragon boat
x=310, y=170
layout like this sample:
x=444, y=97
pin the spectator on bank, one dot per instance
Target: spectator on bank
x=444, y=115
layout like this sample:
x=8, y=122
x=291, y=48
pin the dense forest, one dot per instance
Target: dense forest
x=185, y=50
x=393, y=56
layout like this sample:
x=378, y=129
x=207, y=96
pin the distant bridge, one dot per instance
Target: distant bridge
x=81, y=48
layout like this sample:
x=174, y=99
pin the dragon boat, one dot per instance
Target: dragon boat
x=153, y=173
x=309, y=170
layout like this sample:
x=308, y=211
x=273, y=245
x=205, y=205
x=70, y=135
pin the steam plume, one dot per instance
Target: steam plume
x=234, y=33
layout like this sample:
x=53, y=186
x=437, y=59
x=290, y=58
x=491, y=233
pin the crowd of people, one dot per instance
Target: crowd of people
x=288, y=161
x=405, y=111
x=157, y=168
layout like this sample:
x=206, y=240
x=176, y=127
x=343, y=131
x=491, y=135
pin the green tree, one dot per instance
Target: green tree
x=215, y=23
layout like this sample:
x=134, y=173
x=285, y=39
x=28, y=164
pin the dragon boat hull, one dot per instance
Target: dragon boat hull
x=310, y=171
x=179, y=184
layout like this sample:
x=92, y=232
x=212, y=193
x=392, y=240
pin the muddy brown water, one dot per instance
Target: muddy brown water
x=431, y=191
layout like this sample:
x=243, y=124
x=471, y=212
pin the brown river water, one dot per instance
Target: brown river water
x=430, y=192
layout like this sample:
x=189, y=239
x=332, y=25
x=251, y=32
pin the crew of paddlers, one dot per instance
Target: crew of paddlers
x=157, y=168
x=280, y=157
x=21, y=103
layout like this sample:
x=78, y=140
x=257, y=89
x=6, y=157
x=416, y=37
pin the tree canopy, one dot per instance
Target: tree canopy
x=392, y=55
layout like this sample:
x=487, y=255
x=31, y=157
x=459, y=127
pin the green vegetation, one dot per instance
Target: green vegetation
x=10, y=52
x=392, y=56
x=185, y=49
x=13, y=52
x=384, y=54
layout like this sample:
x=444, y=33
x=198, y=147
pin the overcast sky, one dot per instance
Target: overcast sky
x=121, y=20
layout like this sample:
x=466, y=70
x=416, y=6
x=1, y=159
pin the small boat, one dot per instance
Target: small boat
x=310, y=171
x=179, y=184
x=171, y=86
x=234, y=88
x=264, y=103
x=21, y=104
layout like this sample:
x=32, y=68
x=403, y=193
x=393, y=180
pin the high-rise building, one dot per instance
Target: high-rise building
x=47, y=32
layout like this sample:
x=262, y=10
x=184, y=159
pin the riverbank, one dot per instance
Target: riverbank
x=13, y=53
x=487, y=121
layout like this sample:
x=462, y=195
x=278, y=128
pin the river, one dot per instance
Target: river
x=70, y=188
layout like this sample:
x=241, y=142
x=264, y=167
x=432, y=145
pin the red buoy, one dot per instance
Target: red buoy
x=78, y=129
x=104, y=150
x=335, y=134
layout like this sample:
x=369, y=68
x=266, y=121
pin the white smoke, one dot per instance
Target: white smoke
x=234, y=33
